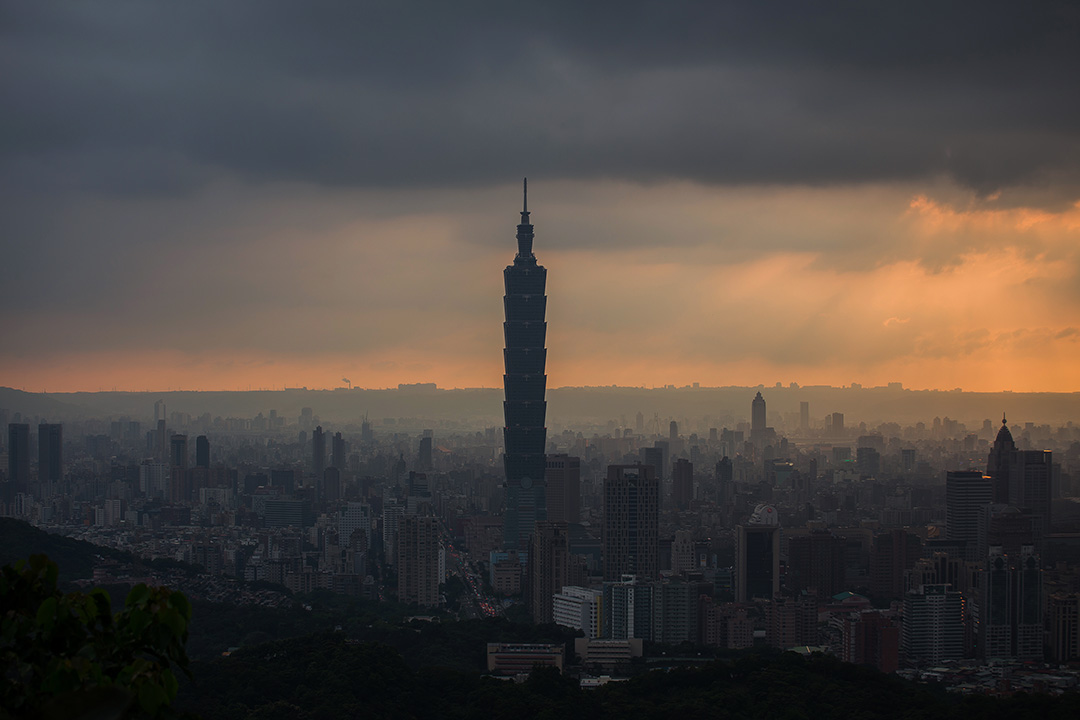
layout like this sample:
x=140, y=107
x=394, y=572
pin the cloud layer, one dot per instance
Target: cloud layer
x=269, y=193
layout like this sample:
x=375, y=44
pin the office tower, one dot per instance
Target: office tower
x=1029, y=486
x=933, y=629
x=631, y=522
x=548, y=568
x=202, y=451
x=19, y=457
x=683, y=483
x=161, y=442
x=318, y=451
x=757, y=418
x=837, y=424
x=816, y=563
x=673, y=432
x=1010, y=609
x=893, y=554
x=639, y=423
x=337, y=451
x=424, y=455
x=757, y=555
x=725, y=480
x=367, y=435
x=418, y=560
x=563, y=492
x=966, y=492
x=178, y=452
x=654, y=458
x=998, y=461
x=804, y=416
x=50, y=454
x=524, y=383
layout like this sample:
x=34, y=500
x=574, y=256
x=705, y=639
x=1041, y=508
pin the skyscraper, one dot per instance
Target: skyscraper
x=683, y=484
x=548, y=568
x=524, y=383
x=563, y=479
x=757, y=555
x=19, y=456
x=318, y=451
x=1029, y=486
x=997, y=463
x=966, y=492
x=202, y=451
x=631, y=522
x=50, y=454
x=757, y=418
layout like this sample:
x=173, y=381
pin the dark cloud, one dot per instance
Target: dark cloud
x=142, y=98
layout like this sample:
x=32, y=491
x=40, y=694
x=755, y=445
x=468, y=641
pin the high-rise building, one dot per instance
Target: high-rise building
x=757, y=418
x=933, y=629
x=524, y=384
x=548, y=568
x=1029, y=486
x=318, y=451
x=337, y=451
x=894, y=553
x=418, y=560
x=563, y=492
x=997, y=463
x=50, y=454
x=178, y=452
x=202, y=451
x=425, y=453
x=631, y=522
x=966, y=492
x=682, y=477
x=816, y=562
x=757, y=555
x=1010, y=607
x=19, y=457
x=804, y=416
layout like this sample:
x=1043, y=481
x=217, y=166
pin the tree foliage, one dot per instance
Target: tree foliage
x=66, y=654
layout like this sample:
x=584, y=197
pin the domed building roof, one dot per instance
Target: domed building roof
x=1004, y=437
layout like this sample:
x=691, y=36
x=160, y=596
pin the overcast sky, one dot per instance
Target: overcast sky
x=224, y=195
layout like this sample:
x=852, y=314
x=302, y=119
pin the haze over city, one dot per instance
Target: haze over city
x=266, y=195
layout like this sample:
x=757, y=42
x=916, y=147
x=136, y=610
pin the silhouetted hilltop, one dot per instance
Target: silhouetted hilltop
x=326, y=676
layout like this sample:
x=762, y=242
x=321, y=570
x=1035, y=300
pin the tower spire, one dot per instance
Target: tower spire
x=525, y=195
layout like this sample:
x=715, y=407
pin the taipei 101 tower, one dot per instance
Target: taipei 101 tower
x=524, y=408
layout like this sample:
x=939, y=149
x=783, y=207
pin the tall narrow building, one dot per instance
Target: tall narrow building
x=631, y=538
x=524, y=383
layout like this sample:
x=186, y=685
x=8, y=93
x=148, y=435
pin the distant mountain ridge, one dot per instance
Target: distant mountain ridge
x=482, y=407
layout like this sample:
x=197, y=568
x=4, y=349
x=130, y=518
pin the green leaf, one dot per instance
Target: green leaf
x=46, y=614
x=151, y=697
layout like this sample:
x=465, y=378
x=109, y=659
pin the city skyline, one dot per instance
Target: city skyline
x=731, y=195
